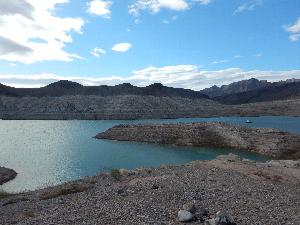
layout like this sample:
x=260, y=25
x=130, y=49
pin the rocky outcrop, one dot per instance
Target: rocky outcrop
x=236, y=87
x=269, y=142
x=271, y=92
x=6, y=175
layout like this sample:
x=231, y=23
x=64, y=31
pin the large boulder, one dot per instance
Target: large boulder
x=6, y=175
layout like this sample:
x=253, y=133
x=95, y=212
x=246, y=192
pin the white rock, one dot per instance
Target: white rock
x=185, y=216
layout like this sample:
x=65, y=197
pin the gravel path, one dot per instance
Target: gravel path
x=252, y=193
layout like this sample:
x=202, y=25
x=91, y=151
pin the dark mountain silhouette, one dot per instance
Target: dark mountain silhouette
x=64, y=87
x=271, y=92
x=236, y=87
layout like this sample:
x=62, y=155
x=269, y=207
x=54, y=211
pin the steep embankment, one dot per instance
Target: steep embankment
x=6, y=175
x=268, y=142
x=133, y=107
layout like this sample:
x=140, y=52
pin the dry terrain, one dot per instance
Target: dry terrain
x=201, y=192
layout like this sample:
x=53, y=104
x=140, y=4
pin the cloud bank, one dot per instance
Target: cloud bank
x=184, y=76
x=43, y=34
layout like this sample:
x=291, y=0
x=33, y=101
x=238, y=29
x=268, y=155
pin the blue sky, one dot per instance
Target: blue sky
x=185, y=43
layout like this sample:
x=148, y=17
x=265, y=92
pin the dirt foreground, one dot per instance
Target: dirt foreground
x=227, y=190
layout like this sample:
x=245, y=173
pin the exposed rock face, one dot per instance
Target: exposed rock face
x=268, y=142
x=236, y=87
x=271, y=92
x=6, y=175
x=111, y=107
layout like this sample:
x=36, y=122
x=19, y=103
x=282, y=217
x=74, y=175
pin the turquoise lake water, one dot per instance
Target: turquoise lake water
x=51, y=152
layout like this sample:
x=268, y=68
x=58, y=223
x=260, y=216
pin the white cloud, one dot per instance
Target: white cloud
x=31, y=32
x=260, y=54
x=184, y=76
x=220, y=61
x=156, y=5
x=248, y=6
x=237, y=56
x=203, y=2
x=97, y=52
x=294, y=30
x=100, y=8
x=20, y=7
x=121, y=47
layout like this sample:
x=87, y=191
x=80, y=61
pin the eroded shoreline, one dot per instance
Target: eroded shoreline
x=265, y=141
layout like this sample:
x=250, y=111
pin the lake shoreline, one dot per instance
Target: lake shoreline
x=155, y=195
x=269, y=142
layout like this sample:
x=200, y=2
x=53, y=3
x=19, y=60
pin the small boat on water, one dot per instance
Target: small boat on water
x=248, y=121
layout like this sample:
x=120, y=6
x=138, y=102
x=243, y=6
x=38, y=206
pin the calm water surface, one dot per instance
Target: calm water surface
x=51, y=152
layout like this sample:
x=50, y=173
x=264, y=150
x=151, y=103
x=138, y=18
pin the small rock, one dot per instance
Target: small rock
x=190, y=207
x=185, y=216
x=121, y=192
x=202, y=212
x=124, y=172
x=154, y=186
x=222, y=218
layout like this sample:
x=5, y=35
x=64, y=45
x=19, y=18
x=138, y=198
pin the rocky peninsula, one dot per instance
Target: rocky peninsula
x=227, y=191
x=6, y=175
x=269, y=142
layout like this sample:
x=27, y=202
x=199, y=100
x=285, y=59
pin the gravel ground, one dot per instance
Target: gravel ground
x=252, y=193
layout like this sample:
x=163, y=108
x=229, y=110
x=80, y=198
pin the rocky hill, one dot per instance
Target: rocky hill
x=69, y=88
x=271, y=92
x=236, y=87
x=70, y=100
x=134, y=107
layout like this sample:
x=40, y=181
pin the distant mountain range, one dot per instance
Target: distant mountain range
x=64, y=87
x=245, y=91
x=253, y=90
x=69, y=100
x=236, y=87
